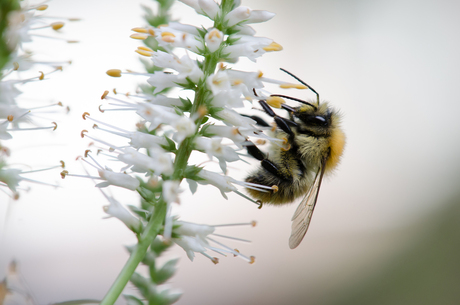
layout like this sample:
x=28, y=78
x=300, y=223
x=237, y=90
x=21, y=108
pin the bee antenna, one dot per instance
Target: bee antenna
x=295, y=99
x=302, y=82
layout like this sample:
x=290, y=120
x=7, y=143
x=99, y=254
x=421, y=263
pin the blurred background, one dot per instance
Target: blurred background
x=386, y=228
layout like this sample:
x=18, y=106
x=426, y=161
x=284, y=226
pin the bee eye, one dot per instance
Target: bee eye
x=319, y=120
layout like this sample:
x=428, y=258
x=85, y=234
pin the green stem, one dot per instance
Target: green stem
x=137, y=255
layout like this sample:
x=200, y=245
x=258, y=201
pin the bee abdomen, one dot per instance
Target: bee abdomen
x=287, y=189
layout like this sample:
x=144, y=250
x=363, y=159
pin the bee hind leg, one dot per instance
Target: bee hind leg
x=268, y=165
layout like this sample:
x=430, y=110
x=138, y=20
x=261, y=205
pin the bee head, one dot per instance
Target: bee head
x=314, y=119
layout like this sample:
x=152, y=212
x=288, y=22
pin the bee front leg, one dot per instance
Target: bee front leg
x=282, y=123
x=259, y=120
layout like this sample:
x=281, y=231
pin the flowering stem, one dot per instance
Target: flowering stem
x=186, y=147
x=137, y=255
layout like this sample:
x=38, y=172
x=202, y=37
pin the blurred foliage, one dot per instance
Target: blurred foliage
x=6, y=7
x=426, y=273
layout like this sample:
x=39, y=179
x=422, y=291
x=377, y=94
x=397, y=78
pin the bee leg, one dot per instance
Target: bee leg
x=275, y=170
x=282, y=123
x=259, y=120
x=254, y=151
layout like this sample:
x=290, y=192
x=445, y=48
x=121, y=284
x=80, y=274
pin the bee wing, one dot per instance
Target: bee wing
x=302, y=215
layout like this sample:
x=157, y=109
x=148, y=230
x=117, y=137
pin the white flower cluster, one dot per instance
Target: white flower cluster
x=20, y=68
x=191, y=59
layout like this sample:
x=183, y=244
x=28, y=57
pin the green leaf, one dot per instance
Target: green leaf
x=171, y=147
x=191, y=172
x=144, y=214
x=158, y=246
x=143, y=284
x=165, y=273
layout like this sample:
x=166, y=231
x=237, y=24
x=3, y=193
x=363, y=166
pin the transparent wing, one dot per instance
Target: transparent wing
x=302, y=215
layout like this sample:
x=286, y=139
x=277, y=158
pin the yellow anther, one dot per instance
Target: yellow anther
x=139, y=36
x=202, y=111
x=72, y=41
x=215, y=260
x=114, y=72
x=15, y=66
x=169, y=39
x=288, y=147
x=140, y=30
x=260, y=142
x=57, y=25
x=42, y=75
x=237, y=82
x=95, y=126
x=275, y=188
x=261, y=204
x=273, y=47
x=275, y=101
x=253, y=223
x=215, y=33
x=64, y=173
x=163, y=34
x=252, y=260
x=42, y=7
x=62, y=164
x=10, y=118
x=114, y=91
x=260, y=74
x=104, y=95
x=151, y=32
x=145, y=48
x=293, y=86
x=143, y=53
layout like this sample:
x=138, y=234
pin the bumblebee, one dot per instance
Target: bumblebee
x=315, y=144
